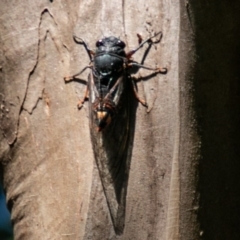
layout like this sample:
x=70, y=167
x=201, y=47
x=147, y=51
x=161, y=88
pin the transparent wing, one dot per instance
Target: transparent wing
x=112, y=149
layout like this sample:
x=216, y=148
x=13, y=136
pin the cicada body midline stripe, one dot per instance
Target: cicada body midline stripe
x=110, y=89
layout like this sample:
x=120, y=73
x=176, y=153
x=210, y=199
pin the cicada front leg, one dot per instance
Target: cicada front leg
x=73, y=78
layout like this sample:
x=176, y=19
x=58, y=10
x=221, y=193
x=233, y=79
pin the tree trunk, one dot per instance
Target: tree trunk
x=183, y=178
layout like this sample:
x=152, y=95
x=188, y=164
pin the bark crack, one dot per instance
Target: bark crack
x=37, y=77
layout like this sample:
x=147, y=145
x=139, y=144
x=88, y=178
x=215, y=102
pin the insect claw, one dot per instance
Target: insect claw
x=80, y=104
x=162, y=70
x=78, y=40
x=144, y=103
x=159, y=39
x=67, y=79
x=139, y=38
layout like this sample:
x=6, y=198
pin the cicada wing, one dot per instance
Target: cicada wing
x=112, y=149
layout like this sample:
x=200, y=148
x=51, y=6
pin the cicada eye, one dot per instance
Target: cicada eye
x=121, y=44
x=99, y=43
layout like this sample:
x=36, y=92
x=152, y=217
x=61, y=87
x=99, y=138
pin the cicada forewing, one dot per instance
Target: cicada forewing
x=113, y=146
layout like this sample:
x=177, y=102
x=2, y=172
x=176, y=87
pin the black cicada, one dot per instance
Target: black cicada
x=110, y=88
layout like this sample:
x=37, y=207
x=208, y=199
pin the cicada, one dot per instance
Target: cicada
x=110, y=90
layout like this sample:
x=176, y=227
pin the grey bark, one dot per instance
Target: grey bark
x=183, y=180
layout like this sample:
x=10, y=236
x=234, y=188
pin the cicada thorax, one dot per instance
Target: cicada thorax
x=108, y=80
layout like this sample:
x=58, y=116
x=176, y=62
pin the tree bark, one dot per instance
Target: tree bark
x=183, y=181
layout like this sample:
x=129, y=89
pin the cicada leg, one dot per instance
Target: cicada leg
x=143, y=102
x=82, y=42
x=156, y=70
x=72, y=78
x=84, y=99
x=142, y=43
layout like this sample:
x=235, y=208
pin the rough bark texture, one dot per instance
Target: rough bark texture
x=184, y=147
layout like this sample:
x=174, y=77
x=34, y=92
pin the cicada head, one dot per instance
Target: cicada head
x=111, y=45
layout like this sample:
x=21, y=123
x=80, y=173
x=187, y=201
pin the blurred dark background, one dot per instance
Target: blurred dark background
x=6, y=232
